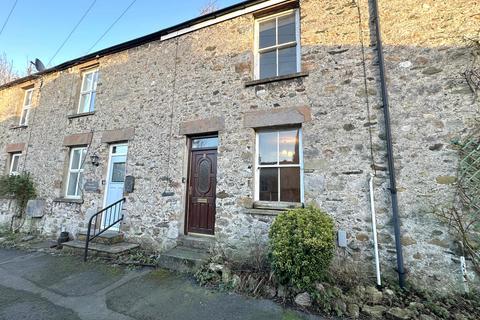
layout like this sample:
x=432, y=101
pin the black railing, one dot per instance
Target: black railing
x=104, y=219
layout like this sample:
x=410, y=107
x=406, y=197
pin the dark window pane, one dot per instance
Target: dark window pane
x=289, y=147
x=290, y=184
x=267, y=153
x=268, y=184
x=205, y=143
x=268, y=64
x=287, y=61
x=268, y=36
x=118, y=172
x=286, y=29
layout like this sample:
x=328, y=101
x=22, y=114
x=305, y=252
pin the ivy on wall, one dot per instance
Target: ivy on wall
x=21, y=188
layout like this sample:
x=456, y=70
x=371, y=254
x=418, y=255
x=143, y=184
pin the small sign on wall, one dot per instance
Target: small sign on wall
x=129, y=184
x=91, y=186
x=35, y=208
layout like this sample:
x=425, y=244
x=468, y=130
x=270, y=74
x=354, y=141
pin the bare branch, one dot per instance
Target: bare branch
x=6, y=70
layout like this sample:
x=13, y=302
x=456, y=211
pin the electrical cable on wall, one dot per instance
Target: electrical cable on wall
x=86, y=154
x=374, y=167
x=31, y=126
x=37, y=100
x=168, y=179
x=365, y=84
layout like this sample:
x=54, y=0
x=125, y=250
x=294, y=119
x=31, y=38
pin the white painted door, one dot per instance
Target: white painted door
x=115, y=183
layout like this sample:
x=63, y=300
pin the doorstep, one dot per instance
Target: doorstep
x=183, y=259
x=114, y=249
x=107, y=237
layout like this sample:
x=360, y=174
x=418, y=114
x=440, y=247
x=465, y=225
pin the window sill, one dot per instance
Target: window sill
x=263, y=212
x=19, y=127
x=79, y=115
x=274, y=205
x=68, y=200
x=275, y=79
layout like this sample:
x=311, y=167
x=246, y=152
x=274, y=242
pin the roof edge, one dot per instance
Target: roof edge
x=145, y=39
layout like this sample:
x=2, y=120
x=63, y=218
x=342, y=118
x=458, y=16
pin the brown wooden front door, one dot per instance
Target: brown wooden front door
x=202, y=191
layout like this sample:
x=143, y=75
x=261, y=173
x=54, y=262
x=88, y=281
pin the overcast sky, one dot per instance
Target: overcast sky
x=36, y=29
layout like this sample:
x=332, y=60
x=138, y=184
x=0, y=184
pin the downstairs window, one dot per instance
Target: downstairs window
x=14, y=164
x=279, y=164
x=75, y=172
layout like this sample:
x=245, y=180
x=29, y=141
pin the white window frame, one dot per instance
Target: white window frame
x=89, y=91
x=110, y=155
x=12, y=161
x=258, y=166
x=79, y=171
x=26, y=107
x=257, y=51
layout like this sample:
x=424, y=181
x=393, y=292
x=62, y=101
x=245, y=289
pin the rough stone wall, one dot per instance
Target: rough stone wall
x=431, y=105
x=200, y=75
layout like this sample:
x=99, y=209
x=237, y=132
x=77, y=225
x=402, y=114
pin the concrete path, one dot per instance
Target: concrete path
x=44, y=286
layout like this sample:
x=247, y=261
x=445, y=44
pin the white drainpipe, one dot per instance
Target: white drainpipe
x=374, y=231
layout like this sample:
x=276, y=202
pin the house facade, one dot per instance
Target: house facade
x=220, y=122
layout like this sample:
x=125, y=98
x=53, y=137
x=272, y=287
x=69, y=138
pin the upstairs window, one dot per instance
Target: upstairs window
x=75, y=172
x=14, y=164
x=279, y=165
x=27, y=104
x=88, y=91
x=277, y=45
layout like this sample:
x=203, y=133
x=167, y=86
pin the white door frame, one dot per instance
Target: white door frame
x=110, y=155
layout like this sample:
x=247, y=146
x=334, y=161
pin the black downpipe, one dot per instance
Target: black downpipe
x=388, y=133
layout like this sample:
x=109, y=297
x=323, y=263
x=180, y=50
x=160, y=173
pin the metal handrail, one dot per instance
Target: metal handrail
x=102, y=230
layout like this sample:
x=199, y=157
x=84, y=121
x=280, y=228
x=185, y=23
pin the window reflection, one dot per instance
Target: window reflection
x=277, y=45
x=288, y=147
x=202, y=143
x=279, y=165
x=267, y=148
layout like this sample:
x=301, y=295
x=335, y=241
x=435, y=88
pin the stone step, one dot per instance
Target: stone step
x=183, y=259
x=196, y=242
x=108, y=237
x=99, y=249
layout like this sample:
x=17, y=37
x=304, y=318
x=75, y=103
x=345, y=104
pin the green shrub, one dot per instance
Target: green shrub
x=302, y=243
x=20, y=187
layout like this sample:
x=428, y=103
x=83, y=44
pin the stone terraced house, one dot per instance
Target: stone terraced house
x=211, y=127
